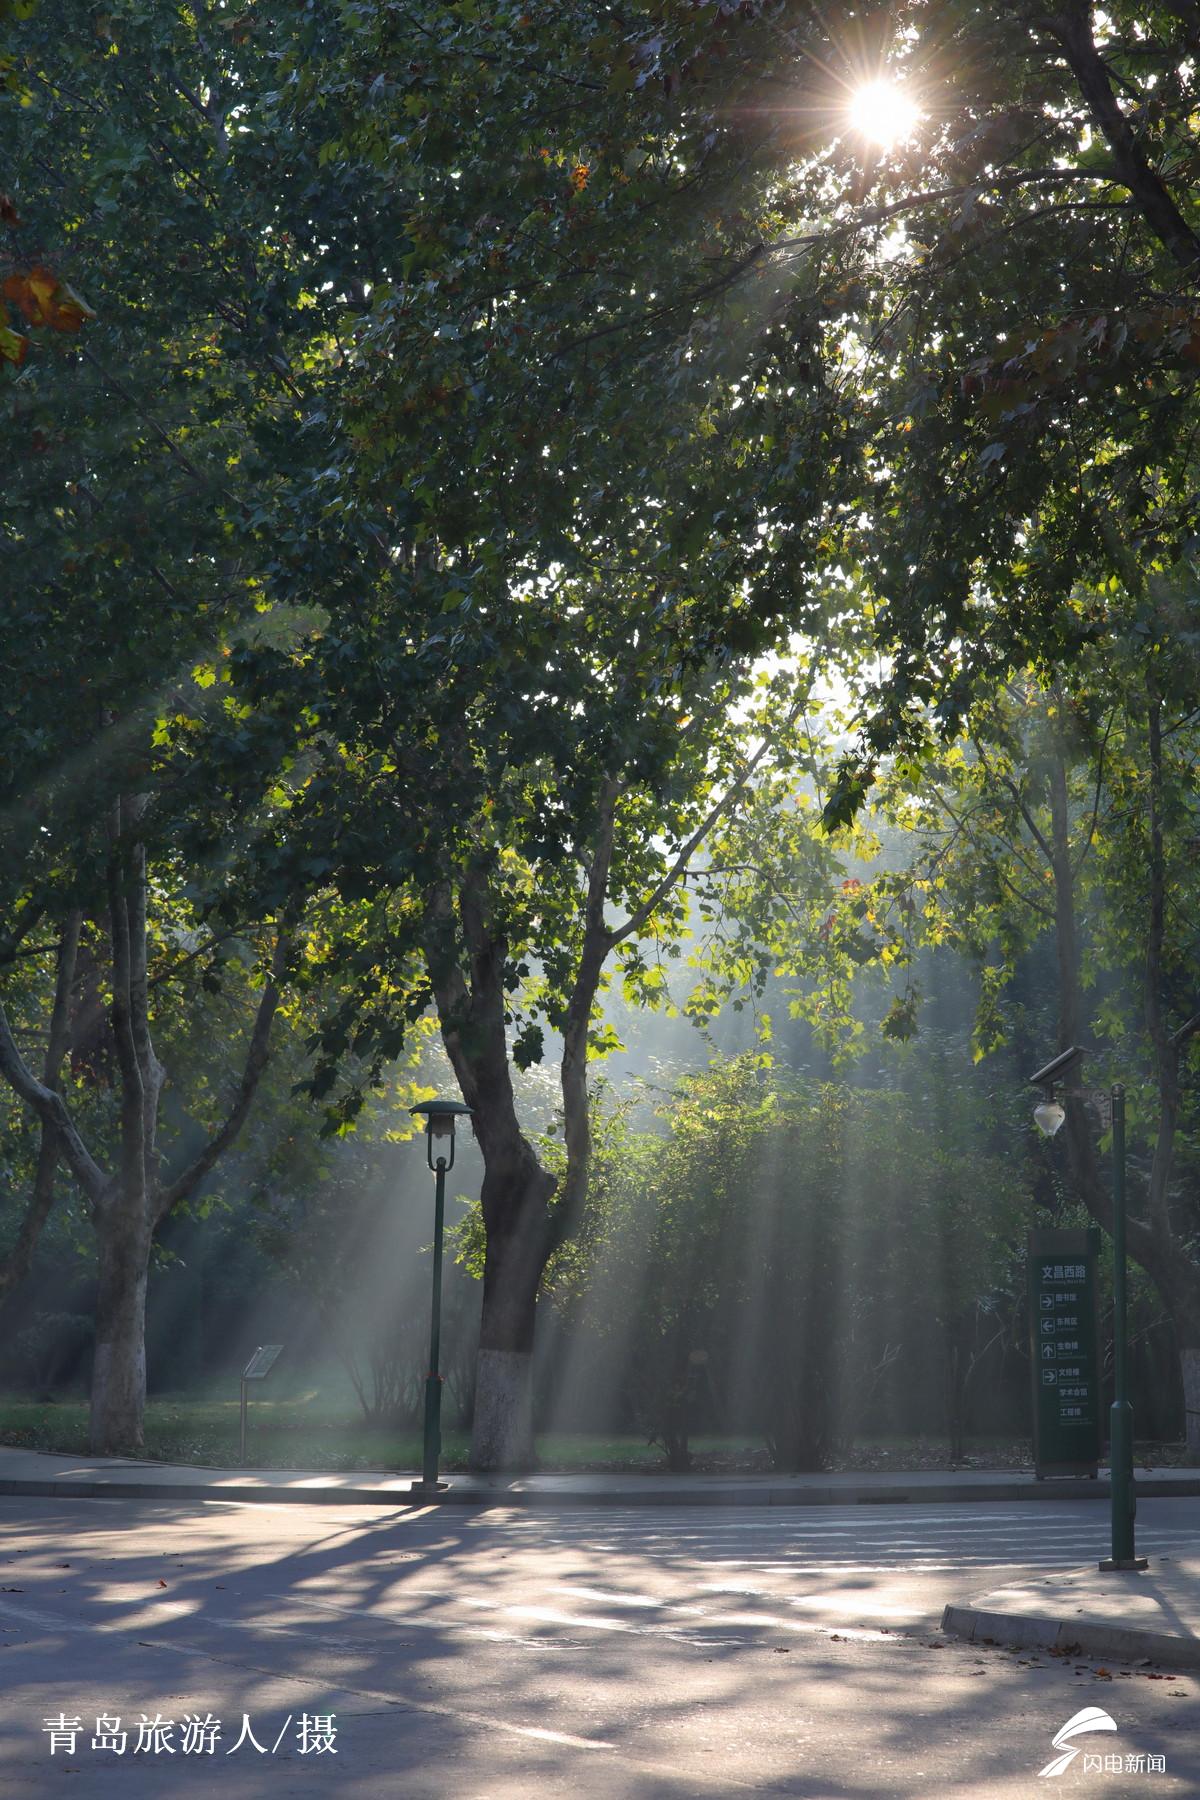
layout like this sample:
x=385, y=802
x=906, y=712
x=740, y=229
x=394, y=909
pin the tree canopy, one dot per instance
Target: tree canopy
x=488, y=435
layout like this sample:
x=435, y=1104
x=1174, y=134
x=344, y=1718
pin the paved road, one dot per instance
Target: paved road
x=665, y=1652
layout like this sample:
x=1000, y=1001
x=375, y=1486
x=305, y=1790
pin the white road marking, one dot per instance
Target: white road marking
x=31, y=1615
x=401, y=1702
x=715, y=1631
x=607, y=1598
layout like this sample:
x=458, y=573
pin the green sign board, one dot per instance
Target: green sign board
x=1064, y=1348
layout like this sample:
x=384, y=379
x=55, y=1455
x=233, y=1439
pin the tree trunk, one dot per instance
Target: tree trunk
x=955, y=1392
x=1189, y=1363
x=502, y=1430
x=119, y=1364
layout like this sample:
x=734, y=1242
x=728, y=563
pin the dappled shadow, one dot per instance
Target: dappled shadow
x=628, y=1650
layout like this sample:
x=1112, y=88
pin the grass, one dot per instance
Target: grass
x=295, y=1434
x=310, y=1431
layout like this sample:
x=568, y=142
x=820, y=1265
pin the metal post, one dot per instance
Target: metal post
x=433, y=1381
x=243, y=1432
x=1124, y=1495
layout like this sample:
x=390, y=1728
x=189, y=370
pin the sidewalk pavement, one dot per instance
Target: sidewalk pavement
x=82, y=1477
x=1127, y=1616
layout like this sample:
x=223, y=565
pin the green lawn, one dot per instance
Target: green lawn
x=323, y=1431
x=301, y=1433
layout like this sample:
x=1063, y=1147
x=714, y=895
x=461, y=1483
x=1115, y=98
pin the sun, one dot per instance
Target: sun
x=883, y=112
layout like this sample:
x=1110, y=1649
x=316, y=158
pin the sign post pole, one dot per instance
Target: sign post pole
x=257, y=1369
x=1120, y=1434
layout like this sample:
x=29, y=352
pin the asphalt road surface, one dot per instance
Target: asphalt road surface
x=675, y=1652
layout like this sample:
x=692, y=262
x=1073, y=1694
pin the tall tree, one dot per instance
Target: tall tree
x=134, y=538
x=513, y=722
x=129, y=1191
x=1069, y=816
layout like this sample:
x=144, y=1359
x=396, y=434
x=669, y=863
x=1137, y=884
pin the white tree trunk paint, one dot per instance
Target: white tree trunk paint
x=502, y=1435
x=1189, y=1363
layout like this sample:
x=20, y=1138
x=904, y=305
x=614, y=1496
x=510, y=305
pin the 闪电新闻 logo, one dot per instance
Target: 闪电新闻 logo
x=1092, y=1718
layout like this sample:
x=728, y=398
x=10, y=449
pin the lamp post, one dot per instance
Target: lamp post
x=1049, y=1115
x=439, y=1146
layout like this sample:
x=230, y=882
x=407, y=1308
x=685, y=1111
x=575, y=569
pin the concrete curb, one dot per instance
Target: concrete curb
x=1088, y=1637
x=465, y=1492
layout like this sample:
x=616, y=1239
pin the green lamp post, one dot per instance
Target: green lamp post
x=440, y=1116
x=1049, y=1115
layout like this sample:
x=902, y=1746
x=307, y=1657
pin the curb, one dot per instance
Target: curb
x=474, y=1494
x=1086, y=1637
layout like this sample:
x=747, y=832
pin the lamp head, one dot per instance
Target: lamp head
x=439, y=1128
x=1048, y=1115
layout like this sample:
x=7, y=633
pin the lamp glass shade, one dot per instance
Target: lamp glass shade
x=1048, y=1115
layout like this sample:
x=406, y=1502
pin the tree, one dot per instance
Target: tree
x=517, y=382
x=1068, y=816
x=516, y=716
x=131, y=546
x=128, y=1192
x=780, y=1246
x=501, y=899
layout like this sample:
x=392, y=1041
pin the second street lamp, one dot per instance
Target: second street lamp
x=440, y=1116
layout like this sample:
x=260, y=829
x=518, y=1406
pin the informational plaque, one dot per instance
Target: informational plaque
x=261, y=1363
x=1064, y=1351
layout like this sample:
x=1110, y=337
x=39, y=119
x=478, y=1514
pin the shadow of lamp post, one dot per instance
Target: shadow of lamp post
x=1049, y=1114
x=440, y=1116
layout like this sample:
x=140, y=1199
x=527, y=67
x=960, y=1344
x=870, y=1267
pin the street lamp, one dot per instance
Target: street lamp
x=1048, y=1115
x=439, y=1144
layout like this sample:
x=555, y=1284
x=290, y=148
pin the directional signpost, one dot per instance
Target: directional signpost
x=1064, y=1351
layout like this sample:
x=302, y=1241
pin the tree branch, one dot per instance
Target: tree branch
x=133, y=1091
x=1186, y=1031
x=50, y=1107
x=1095, y=818
x=1007, y=782
x=1073, y=29
x=16, y=1264
x=638, y=918
x=257, y=1056
x=11, y=941
x=164, y=436
x=597, y=941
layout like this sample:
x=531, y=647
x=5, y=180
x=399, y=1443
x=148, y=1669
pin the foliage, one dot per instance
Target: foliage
x=1068, y=819
x=468, y=400
x=761, y=1257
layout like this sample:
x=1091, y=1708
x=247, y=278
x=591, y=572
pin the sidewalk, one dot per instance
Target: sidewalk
x=43, y=1474
x=1129, y=1616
